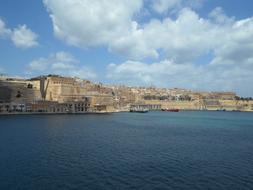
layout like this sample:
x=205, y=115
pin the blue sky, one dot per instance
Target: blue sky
x=194, y=44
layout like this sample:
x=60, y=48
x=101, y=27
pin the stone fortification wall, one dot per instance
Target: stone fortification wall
x=237, y=105
x=228, y=105
x=183, y=105
x=103, y=100
x=65, y=89
x=19, y=91
x=62, y=89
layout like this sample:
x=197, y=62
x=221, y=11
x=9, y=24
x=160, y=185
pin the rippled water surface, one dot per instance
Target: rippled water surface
x=157, y=150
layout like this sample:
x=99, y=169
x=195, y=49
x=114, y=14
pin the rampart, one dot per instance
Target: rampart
x=60, y=90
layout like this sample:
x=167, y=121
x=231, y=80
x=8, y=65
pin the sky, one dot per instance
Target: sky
x=204, y=45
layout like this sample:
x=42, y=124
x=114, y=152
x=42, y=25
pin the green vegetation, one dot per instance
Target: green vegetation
x=244, y=98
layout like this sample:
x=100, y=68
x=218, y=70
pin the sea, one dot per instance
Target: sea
x=191, y=150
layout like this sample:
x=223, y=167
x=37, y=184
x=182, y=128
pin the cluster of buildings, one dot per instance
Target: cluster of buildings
x=57, y=94
x=53, y=94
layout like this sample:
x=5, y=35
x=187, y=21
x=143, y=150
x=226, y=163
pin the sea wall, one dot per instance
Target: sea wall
x=182, y=105
x=229, y=105
x=237, y=105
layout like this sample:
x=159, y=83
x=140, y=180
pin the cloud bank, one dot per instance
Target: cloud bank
x=61, y=63
x=169, y=74
x=185, y=50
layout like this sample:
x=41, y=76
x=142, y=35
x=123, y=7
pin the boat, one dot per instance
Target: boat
x=221, y=110
x=139, y=110
x=171, y=110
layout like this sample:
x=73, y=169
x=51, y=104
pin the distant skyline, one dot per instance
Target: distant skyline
x=193, y=44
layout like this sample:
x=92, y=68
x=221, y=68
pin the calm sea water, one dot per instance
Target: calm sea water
x=157, y=150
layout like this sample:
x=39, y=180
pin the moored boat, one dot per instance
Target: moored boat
x=171, y=110
x=139, y=110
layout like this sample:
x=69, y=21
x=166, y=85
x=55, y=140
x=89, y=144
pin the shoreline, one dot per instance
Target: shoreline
x=48, y=113
x=111, y=112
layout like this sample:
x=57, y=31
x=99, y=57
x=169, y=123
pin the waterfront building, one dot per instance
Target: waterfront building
x=54, y=93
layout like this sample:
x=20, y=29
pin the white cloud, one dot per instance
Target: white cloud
x=136, y=45
x=4, y=32
x=164, y=73
x=89, y=23
x=163, y=6
x=230, y=68
x=40, y=64
x=218, y=15
x=184, y=38
x=238, y=45
x=61, y=63
x=23, y=37
x=169, y=74
x=112, y=24
x=189, y=37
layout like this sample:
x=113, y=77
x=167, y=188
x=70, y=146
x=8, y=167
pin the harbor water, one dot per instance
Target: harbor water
x=155, y=150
